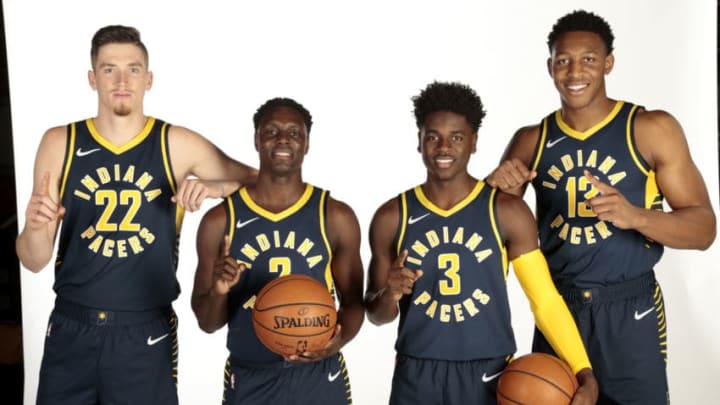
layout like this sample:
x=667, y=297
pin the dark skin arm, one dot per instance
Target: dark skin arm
x=520, y=232
x=216, y=272
x=347, y=269
x=513, y=173
x=388, y=278
x=691, y=223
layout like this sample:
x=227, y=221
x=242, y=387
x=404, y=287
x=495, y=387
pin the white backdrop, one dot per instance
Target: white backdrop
x=355, y=65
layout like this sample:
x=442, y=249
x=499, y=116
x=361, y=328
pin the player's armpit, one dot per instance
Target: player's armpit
x=551, y=313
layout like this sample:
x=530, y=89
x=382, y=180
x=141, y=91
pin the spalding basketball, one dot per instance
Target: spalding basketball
x=294, y=314
x=536, y=379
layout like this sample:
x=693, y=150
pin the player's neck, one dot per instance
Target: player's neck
x=583, y=118
x=277, y=193
x=446, y=194
x=119, y=130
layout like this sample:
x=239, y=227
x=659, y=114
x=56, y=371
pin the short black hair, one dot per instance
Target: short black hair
x=116, y=34
x=453, y=97
x=282, y=102
x=581, y=20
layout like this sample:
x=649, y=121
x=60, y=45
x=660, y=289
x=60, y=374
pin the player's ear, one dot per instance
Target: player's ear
x=257, y=146
x=609, y=63
x=419, y=149
x=91, y=79
x=549, y=66
x=149, y=80
x=474, y=142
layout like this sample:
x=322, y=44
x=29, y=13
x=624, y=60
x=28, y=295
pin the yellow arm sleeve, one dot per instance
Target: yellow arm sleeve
x=551, y=313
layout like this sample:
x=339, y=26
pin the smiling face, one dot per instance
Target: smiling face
x=578, y=65
x=121, y=78
x=281, y=140
x=446, y=143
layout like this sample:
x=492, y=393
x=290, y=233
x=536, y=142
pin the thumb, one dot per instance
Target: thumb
x=400, y=260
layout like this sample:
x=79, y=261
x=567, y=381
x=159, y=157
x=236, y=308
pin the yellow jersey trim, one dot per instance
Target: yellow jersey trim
x=496, y=232
x=541, y=143
x=403, y=221
x=323, y=231
x=68, y=159
x=120, y=149
x=446, y=213
x=592, y=130
x=631, y=144
x=272, y=216
x=231, y=227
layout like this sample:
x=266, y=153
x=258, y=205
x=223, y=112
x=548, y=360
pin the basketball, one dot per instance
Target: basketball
x=535, y=379
x=294, y=314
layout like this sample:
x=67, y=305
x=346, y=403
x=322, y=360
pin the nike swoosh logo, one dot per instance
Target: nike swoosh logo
x=412, y=220
x=332, y=377
x=486, y=378
x=240, y=224
x=552, y=143
x=152, y=341
x=81, y=153
x=639, y=316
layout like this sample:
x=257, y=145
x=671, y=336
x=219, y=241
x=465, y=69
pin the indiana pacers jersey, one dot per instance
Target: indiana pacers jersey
x=582, y=250
x=272, y=245
x=458, y=309
x=118, y=243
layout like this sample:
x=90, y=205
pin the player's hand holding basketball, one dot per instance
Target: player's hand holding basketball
x=42, y=208
x=401, y=279
x=333, y=346
x=226, y=270
x=587, y=392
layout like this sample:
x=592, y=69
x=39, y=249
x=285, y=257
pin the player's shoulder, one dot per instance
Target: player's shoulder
x=657, y=125
x=55, y=138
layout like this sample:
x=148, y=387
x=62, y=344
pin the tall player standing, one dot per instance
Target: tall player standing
x=112, y=180
x=600, y=169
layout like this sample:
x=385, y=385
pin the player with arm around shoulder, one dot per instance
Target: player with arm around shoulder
x=601, y=169
x=307, y=232
x=440, y=259
x=112, y=181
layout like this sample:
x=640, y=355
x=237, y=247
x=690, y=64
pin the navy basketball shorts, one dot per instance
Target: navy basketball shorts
x=624, y=330
x=323, y=382
x=94, y=356
x=440, y=382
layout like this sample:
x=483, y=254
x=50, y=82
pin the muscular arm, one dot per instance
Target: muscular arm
x=513, y=173
x=691, y=223
x=347, y=268
x=193, y=155
x=210, y=307
x=35, y=244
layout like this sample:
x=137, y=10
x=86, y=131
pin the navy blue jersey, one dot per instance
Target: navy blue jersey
x=581, y=249
x=118, y=242
x=458, y=309
x=272, y=245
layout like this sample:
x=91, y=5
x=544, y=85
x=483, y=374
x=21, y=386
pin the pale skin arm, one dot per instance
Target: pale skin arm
x=513, y=173
x=35, y=244
x=216, y=272
x=520, y=232
x=691, y=222
x=388, y=278
x=215, y=174
x=347, y=270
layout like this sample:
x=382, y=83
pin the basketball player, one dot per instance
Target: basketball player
x=600, y=169
x=111, y=180
x=279, y=226
x=440, y=255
